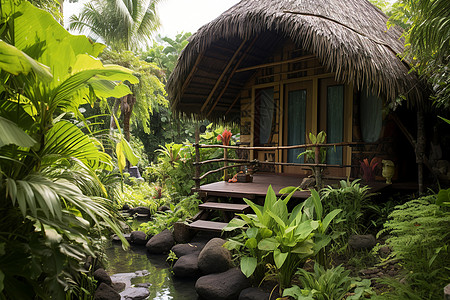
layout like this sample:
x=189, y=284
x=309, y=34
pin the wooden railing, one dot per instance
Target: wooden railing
x=316, y=166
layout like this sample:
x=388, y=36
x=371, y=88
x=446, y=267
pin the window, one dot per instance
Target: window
x=296, y=124
x=335, y=122
x=264, y=115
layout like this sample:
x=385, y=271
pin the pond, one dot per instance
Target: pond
x=163, y=285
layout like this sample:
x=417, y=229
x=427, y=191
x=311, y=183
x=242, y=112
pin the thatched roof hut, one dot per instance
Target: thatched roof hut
x=349, y=37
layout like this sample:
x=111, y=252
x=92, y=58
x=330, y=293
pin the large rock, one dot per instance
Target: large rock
x=185, y=249
x=160, y=243
x=135, y=293
x=222, y=286
x=105, y=292
x=214, y=258
x=182, y=233
x=138, y=238
x=187, y=266
x=118, y=286
x=140, y=210
x=102, y=277
x=366, y=241
x=253, y=293
x=447, y=292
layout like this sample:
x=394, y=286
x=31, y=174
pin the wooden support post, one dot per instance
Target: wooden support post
x=317, y=171
x=225, y=172
x=420, y=147
x=197, y=157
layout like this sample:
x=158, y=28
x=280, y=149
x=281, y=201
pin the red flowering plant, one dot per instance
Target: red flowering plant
x=368, y=169
x=225, y=137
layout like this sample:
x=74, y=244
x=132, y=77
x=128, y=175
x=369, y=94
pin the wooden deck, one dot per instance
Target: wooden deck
x=260, y=184
x=257, y=188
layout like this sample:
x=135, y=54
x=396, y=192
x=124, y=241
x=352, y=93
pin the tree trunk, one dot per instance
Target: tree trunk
x=420, y=147
x=112, y=122
x=128, y=102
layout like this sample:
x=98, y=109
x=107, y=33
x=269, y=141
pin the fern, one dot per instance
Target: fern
x=419, y=236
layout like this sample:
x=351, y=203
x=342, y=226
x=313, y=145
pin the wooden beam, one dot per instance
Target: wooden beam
x=232, y=104
x=188, y=78
x=222, y=75
x=276, y=63
x=231, y=75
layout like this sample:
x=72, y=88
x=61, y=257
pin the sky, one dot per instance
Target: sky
x=176, y=15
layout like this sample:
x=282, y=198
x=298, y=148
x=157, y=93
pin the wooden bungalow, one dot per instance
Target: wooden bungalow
x=282, y=69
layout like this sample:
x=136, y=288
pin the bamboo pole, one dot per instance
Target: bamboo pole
x=287, y=147
x=197, y=157
x=225, y=171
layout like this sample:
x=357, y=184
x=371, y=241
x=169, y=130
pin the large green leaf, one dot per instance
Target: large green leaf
x=12, y=134
x=234, y=224
x=16, y=62
x=268, y=244
x=328, y=218
x=248, y=265
x=317, y=203
x=305, y=228
x=305, y=248
x=279, y=257
x=34, y=25
x=16, y=113
x=65, y=139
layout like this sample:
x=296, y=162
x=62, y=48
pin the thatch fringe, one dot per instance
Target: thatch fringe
x=349, y=37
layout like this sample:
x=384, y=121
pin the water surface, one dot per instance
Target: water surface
x=164, y=285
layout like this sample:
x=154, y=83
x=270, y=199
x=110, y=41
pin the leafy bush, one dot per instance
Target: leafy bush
x=52, y=207
x=331, y=284
x=275, y=236
x=352, y=198
x=185, y=209
x=420, y=237
x=174, y=170
x=140, y=193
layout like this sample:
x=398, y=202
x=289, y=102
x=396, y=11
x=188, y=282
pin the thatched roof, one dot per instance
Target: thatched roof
x=349, y=37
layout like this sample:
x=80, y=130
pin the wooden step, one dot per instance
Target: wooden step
x=236, y=208
x=207, y=225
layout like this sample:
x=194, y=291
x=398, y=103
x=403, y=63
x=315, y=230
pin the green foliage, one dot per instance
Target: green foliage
x=149, y=92
x=165, y=51
x=171, y=258
x=353, y=199
x=331, y=284
x=274, y=235
x=427, y=40
x=122, y=25
x=52, y=208
x=174, y=169
x=185, y=209
x=310, y=153
x=140, y=194
x=419, y=236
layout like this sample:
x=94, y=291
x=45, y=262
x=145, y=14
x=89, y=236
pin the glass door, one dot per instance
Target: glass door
x=298, y=119
x=335, y=118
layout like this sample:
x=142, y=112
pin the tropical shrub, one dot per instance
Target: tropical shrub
x=323, y=284
x=53, y=206
x=140, y=193
x=353, y=199
x=275, y=236
x=419, y=236
x=174, y=170
x=185, y=209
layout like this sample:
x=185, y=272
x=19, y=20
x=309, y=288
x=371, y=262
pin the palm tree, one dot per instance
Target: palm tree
x=122, y=25
x=429, y=38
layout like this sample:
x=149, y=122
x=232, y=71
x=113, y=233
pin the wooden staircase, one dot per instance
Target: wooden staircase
x=229, y=210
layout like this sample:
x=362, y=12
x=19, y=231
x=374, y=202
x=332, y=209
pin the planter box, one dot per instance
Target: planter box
x=241, y=177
